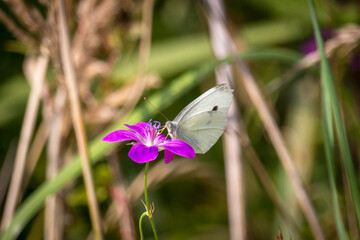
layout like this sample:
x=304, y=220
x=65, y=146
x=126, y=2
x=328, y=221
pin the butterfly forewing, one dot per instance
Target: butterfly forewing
x=219, y=97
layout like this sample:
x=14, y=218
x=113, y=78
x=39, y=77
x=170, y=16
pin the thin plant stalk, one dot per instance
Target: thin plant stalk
x=77, y=119
x=331, y=109
x=5, y=172
x=148, y=208
x=232, y=148
x=53, y=213
x=35, y=150
x=25, y=138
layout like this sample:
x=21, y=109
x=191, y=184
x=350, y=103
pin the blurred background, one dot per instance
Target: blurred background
x=124, y=50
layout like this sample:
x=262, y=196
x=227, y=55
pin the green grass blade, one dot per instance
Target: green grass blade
x=330, y=162
x=331, y=108
x=281, y=54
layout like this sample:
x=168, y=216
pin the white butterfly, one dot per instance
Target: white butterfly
x=203, y=121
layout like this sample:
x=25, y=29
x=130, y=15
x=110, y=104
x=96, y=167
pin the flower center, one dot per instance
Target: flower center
x=149, y=125
x=152, y=129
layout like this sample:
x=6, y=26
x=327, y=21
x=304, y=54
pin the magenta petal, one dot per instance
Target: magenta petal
x=168, y=156
x=159, y=139
x=121, y=135
x=179, y=147
x=140, y=129
x=141, y=154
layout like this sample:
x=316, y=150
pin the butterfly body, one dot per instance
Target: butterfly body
x=203, y=121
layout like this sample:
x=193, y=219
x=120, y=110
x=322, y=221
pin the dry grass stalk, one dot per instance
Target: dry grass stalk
x=37, y=146
x=5, y=173
x=25, y=137
x=70, y=79
x=232, y=147
x=53, y=212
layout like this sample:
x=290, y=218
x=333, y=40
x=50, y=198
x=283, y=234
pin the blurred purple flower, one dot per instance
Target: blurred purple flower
x=148, y=142
x=355, y=62
x=310, y=45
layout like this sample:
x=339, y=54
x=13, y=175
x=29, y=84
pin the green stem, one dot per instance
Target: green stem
x=140, y=225
x=149, y=212
x=145, y=186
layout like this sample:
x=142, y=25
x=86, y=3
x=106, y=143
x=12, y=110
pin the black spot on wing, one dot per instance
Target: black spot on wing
x=214, y=109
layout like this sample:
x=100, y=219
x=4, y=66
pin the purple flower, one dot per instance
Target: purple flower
x=148, y=142
x=310, y=45
x=355, y=62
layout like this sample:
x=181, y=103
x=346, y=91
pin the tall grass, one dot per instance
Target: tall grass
x=331, y=111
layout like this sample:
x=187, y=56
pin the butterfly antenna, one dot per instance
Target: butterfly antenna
x=156, y=108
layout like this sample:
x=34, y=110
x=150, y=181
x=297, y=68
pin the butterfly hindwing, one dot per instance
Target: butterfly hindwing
x=202, y=136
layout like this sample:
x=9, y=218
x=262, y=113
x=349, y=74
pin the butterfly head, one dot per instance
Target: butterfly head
x=171, y=127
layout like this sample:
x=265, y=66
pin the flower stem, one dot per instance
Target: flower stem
x=149, y=211
x=145, y=186
x=140, y=225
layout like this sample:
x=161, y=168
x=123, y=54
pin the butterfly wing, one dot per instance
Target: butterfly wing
x=218, y=97
x=203, y=121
